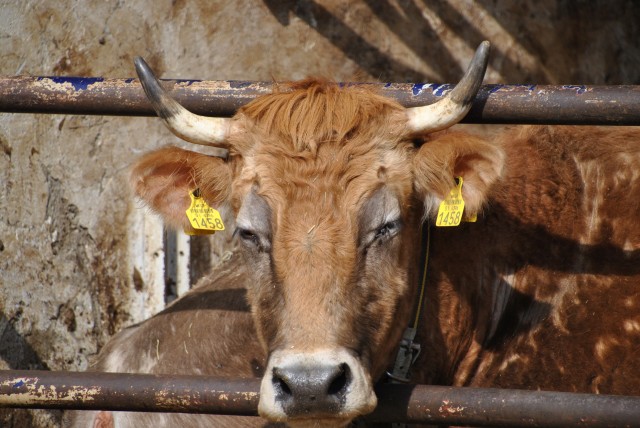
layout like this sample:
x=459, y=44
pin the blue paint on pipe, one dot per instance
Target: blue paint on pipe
x=417, y=88
x=438, y=90
x=580, y=89
x=434, y=87
x=188, y=82
x=78, y=83
x=18, y=384
x=498, y=87
x=239, y=84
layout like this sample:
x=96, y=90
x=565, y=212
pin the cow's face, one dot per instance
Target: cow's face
x=325, y=221
x=324, y=183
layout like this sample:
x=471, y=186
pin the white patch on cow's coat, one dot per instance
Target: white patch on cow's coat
x=632, y=326
x=629, y=246
x=595, y=384
x=431, y=205
x=594, y=181
x=115, y=361
x=512, y=359
x=127, y=419
x=118, y=361
x=565, y=298
x=147, y=363
x=600, y=349
x=603, y=346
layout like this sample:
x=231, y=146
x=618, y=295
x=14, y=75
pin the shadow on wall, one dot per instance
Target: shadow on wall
x=543, y=43
x=15, y=351
x=354, y=46
x=18, y=354
x=405, y=19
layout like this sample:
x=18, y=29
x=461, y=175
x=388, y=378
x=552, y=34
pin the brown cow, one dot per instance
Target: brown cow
x=329, y=186
x=207, y=331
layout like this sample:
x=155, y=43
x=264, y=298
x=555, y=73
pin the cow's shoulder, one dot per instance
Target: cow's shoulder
x=207, y=331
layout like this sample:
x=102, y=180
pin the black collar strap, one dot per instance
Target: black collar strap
x=409, y=351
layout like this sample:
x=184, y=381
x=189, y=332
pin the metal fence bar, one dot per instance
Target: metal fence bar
x=122, y=391
x=533, y=104
x=401, y=403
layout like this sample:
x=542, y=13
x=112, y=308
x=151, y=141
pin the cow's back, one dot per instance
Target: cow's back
x=544, y=291
x=208, y=331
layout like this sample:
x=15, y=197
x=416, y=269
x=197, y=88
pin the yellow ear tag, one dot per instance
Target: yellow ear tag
x=204, y=219
x=450, y=212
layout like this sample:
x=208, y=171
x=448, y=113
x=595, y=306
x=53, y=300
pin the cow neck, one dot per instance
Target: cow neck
x=409, y=350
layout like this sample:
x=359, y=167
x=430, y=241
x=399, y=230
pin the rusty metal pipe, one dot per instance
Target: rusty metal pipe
x=401, y=403
x=123, y=391
x=503, y=407
x=533, y=104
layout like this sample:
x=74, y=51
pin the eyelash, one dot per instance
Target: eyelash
x=386, y=229
x=248, y=236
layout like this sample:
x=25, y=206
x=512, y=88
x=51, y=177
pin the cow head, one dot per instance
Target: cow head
x=329, y=189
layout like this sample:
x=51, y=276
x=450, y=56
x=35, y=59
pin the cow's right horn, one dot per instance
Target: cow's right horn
x=208, y=131
x=456, y=104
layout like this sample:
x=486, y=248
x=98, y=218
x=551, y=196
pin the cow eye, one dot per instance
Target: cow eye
x=248, y=236
x=387, y=229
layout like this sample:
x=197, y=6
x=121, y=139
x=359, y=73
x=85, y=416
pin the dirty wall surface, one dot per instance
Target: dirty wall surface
x=79, y=259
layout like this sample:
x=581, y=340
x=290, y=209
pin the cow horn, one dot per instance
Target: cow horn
x=208, y=131
x=453, y=107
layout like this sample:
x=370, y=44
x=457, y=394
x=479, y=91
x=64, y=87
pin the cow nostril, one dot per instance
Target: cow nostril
x=340, y=381
x=280, y=384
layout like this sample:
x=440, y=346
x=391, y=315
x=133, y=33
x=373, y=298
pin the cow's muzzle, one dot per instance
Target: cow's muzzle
x=321, y=385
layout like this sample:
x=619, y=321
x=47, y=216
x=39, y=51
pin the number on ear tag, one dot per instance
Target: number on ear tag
x=450, y=212
x=204, y=219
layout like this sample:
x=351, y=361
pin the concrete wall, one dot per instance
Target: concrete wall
x=79, y=259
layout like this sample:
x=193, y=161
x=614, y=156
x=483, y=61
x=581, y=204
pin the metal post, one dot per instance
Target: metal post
x=400, y=403
x=532, y=104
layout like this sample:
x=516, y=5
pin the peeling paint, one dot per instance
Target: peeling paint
x=417, y=88
x=77, y=83
x=580, y=89
x=440, y=90
x=235, y=84
x=187, y=82
x=446, y=407
x=510, y=88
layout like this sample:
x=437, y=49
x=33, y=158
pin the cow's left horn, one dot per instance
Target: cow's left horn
x=455, y=105
x=208, y=131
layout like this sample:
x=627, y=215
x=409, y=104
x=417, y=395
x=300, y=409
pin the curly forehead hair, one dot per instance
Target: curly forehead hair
x=313, y=111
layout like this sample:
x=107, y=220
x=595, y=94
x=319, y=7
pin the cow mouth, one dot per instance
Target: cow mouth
x=319, y=423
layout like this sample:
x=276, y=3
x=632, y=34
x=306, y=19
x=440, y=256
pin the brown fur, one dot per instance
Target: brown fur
x=318, y=159
x=208, y=331
x=161, y=177
x=303, y=115
x=541, y=292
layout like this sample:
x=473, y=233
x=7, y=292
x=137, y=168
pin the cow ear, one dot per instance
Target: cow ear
x=454, y=154
x=164, y=178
